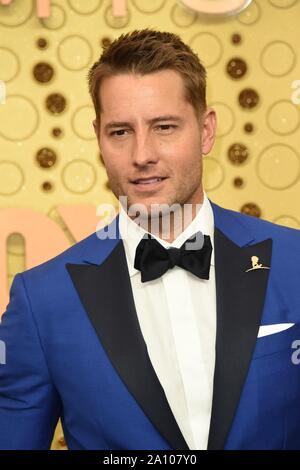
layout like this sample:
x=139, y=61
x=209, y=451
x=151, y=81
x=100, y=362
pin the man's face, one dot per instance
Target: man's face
x=155, y=134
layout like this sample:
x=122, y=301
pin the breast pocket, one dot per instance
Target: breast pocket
x=287, y=340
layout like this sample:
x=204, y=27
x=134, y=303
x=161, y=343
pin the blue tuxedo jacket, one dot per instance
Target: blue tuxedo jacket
x=75, y=349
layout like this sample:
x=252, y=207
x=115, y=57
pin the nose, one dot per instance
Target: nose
x=144, y=151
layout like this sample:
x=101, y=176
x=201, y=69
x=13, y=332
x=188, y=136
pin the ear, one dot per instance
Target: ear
x=209, y=124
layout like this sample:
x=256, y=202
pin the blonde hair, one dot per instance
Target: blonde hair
x=146, y=51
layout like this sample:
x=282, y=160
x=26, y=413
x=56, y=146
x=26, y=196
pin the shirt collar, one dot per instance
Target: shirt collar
x=132, y=233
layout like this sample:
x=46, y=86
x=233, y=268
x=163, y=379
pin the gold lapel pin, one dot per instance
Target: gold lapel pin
x=256, y=264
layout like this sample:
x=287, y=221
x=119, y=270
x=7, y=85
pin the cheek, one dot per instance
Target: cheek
x=113, y=164
x=116, y=174
x=186, y=164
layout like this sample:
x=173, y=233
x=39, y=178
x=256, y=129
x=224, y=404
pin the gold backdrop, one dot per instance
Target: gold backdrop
x=49, y=154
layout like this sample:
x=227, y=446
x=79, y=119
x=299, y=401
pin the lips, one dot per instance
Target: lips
x=150, y=180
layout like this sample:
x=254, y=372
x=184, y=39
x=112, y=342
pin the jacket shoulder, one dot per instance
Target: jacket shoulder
x=261, y=228
x=92, y=250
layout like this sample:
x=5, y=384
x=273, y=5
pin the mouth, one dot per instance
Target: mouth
x=148, y=184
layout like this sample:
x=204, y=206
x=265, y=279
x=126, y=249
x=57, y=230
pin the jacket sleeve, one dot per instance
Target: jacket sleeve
x=29, y=403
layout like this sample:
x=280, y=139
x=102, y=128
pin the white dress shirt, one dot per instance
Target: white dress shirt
x=177, y=317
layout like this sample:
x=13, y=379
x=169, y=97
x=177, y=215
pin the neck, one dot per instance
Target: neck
x=170, y=224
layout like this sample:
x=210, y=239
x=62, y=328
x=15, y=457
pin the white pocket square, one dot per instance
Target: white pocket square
x=266, y=330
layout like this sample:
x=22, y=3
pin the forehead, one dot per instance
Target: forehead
x=129, y=89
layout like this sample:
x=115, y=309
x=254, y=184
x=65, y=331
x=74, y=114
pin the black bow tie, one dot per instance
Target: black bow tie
x=153, y=260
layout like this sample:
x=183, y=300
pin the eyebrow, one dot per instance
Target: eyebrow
x=168, y=117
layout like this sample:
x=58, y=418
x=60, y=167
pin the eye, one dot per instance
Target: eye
x=167, y=126
x=117, y=132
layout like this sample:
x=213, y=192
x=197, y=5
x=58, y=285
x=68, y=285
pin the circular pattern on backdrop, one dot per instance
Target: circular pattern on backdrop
x=57, y=132
x=56, y=103
x=11, y=178
x=45, y=157
x=236, y=68
x=248, y=98
x=47, y=186
x=43, y=72
x=238, y=182
x=250, y=208
x=57, y=19
x=236, y=39
x=183, y=17
x=116, y=22
x=42, y=43
x=78, y=176
x=250, y=15
x=213, y=173
x=82, y=7
x=17, y=13
x=278, y=166
x=283, y=3
x=238, y=153
x=10, y=64
x=105, y=41
x=248, y=127
x=209, y=48
x=74, y=52
x=278, y=58
x=81, y=122
x=149, y=7
x=283, y=117
x=287, y=221
x=25, y=118
x=225, y=118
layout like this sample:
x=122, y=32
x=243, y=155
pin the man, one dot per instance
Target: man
x=182, y=337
